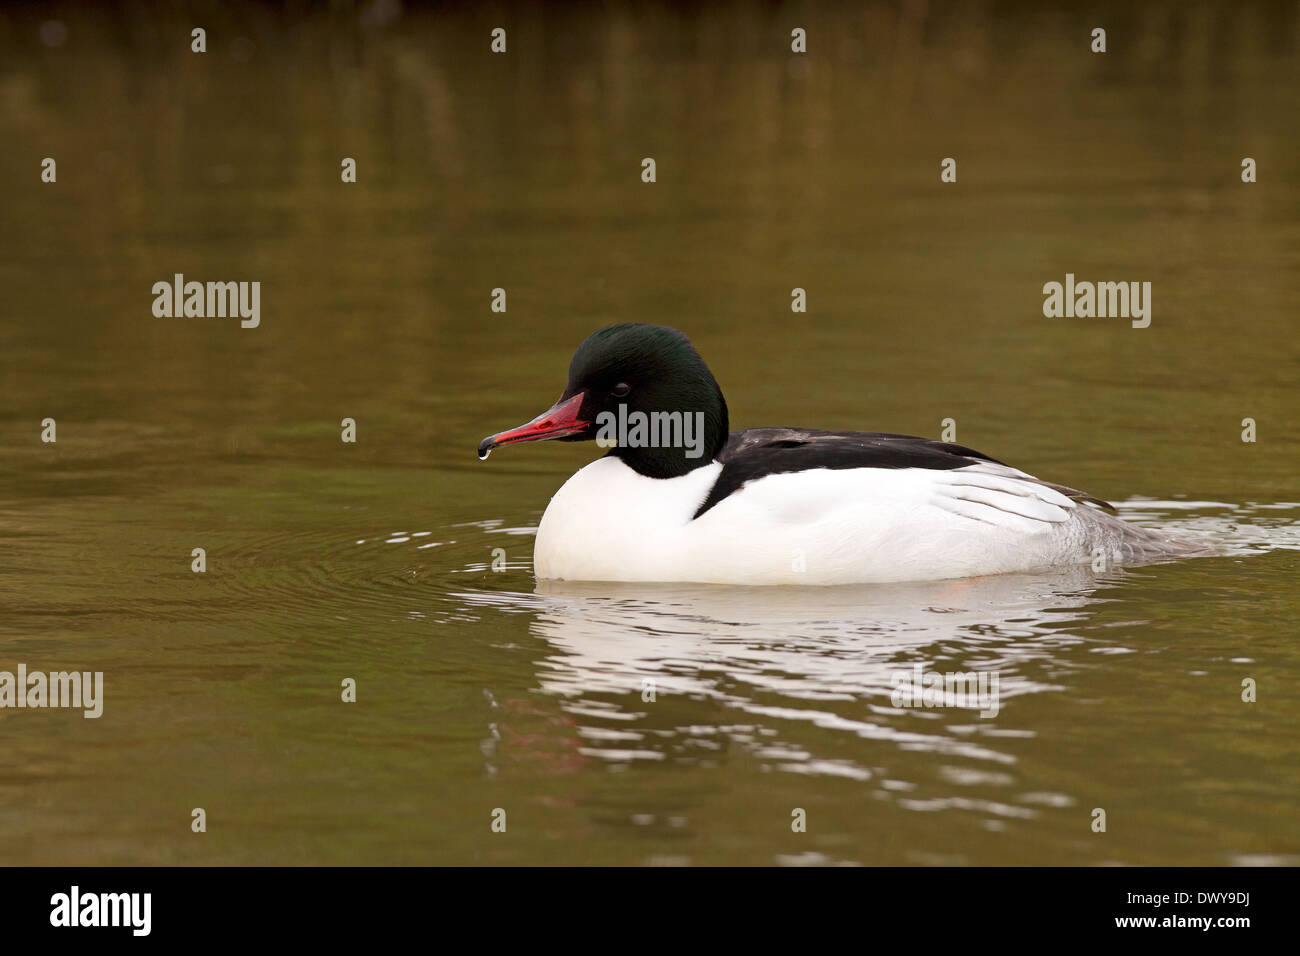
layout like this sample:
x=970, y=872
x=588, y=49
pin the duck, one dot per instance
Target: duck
x=679, y=497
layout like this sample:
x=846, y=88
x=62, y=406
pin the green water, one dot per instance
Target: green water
x=480, y=689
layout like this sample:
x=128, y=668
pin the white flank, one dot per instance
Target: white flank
x=821, y=526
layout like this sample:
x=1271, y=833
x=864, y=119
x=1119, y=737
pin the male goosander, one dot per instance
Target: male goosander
x=681, y=498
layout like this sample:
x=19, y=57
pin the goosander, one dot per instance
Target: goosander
x=679, y=497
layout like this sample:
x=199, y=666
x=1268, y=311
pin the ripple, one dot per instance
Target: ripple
x=1241, y=529
x=787, y=660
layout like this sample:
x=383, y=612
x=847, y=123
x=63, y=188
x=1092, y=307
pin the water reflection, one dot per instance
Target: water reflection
x=828, y=658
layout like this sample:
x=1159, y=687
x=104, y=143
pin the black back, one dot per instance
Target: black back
x=757, y=452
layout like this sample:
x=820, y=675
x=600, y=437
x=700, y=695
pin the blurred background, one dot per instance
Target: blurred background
x=522, y=171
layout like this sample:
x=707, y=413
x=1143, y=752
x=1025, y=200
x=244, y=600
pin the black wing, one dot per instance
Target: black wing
x=757, y=452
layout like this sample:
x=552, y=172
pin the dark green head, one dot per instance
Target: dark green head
x=643, y=389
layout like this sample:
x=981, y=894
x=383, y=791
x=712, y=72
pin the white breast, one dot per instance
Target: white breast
x=822, y=526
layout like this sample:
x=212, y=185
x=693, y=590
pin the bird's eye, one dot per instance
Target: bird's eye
x=621, y=389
